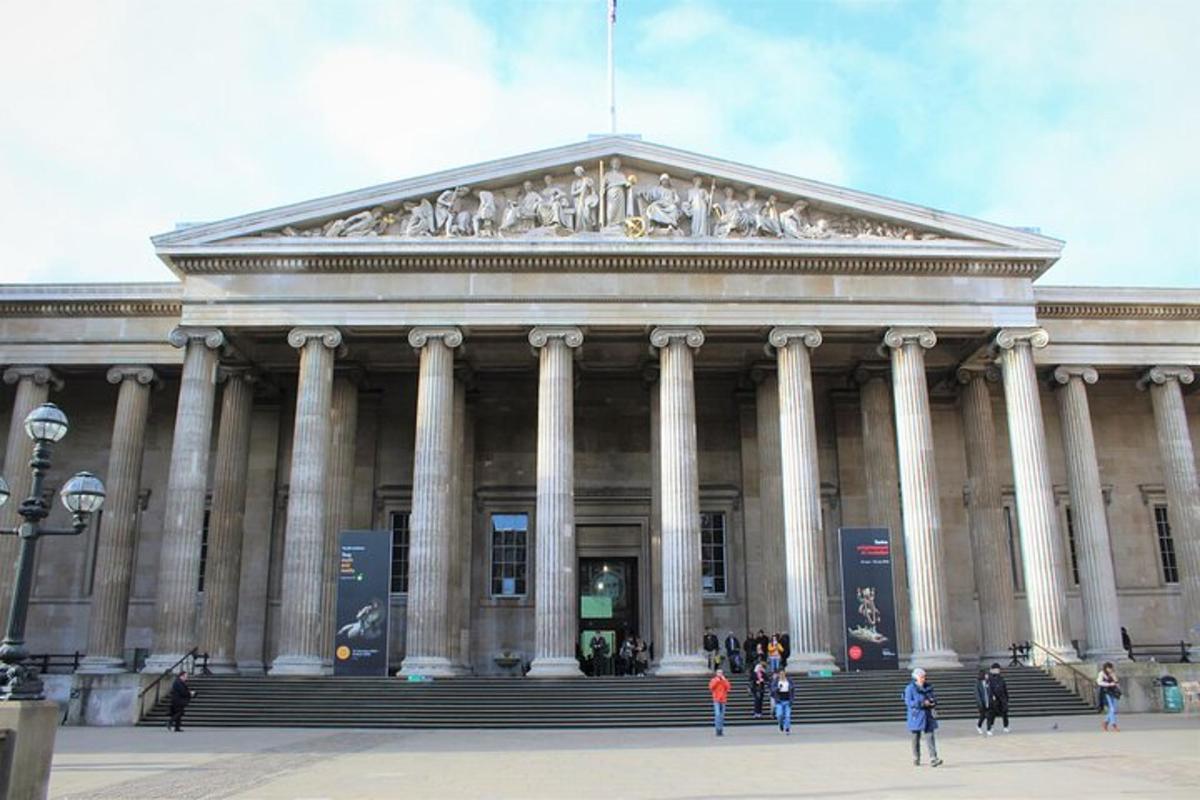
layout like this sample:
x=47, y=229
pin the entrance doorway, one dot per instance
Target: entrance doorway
x=608, y=607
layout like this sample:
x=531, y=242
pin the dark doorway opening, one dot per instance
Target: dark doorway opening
x=608, y=608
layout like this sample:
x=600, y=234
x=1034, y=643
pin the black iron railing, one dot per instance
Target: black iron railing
x=1170, y=652
x=192, y=662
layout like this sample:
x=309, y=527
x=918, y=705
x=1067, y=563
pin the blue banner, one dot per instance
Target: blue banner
x=868, y=605
x=364, y=584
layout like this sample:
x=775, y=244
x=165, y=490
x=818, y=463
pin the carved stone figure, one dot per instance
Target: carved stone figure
x=511, y=219
x=483, y=221
x=531, y=201
x=751, y=207
x=449, y=217
x=796, y=223
x=767, y=222
x=615, y=187
x=728, y=211
x=661, y=205
x=556, y=206
x=420, y=218
x=697, y=206
x=585, y=200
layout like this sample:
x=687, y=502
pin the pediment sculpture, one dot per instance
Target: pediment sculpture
x=608, y=202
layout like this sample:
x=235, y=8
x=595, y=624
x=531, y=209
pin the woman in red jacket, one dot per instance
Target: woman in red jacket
x=719, y=688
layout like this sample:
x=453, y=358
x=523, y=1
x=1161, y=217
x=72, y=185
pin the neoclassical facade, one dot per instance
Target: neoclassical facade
x=611, y=363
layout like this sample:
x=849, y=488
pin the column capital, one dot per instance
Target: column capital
x=141, y=373
x=1063, y=373
x=868, y=371
x=40, y=375
x=182, y=335
x=965, y=374
x=330, y=337
x=661, y=337
x=780, y=337
x=1162, y=374
x=451, y=337
x=229, y=372
x=1009, y=338
x=571, y=335
x=761, y=370
x=897, y=337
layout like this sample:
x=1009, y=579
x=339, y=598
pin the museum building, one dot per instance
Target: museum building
x=609, y=368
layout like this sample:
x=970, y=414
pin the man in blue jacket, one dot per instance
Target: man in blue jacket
x=921, y=701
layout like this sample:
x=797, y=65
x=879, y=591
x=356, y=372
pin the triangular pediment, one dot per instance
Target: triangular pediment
x=606, y=190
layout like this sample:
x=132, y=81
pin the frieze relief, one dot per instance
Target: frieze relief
x=607, y=202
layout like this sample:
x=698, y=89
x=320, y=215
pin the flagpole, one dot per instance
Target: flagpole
x=612, y=80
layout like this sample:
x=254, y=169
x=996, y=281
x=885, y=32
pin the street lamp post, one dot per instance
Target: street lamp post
x=82, y=495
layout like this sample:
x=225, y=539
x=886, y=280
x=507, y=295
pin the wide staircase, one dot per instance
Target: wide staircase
x=238, y=701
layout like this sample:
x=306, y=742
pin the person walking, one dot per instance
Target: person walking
x=774, y=655
x=758, y=687
x=921, y=702
x=998, y=695
x=180, y=695
x=718, y=687
x=783, y=693
x=1127, y=643
x=1110, y=695
x=983, y=700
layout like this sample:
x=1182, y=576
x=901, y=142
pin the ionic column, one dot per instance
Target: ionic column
x=187, y=485
x=1097, y=584
x=218, y=619
x=683, y=609
x=339, y=500
x=433, y=506
x=985, y=515
x=1041, y=549
x=33, y=389
x=883, y=483
x=1183, y=493
x=556, y=612
x=930, y=620
x=803, y=540
x=118, y=532
x=302, y=597
x=770, y=476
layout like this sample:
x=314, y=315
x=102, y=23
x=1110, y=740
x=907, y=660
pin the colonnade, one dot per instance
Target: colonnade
x=322, y=461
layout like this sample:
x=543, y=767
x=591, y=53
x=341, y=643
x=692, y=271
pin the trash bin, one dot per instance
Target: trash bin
x=1172, y=697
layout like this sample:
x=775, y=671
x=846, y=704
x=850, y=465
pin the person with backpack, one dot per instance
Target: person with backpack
x=1110, y=695
x=718, y=687
x=920, y=702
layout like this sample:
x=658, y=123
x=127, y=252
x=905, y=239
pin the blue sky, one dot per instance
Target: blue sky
x=121, y=118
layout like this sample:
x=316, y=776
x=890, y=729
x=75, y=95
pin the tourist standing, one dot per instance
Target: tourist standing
x=750, y=645
x=774, y=654
x=733, y=650
x=998, y=691
x=718, y=687
x=983, y=700
x=1110, y=695
x=181, y=695
x=920, y=700
x=711, y=647
x=641, y=657
x=758, y=687
x=599, y=648
x=783, y=693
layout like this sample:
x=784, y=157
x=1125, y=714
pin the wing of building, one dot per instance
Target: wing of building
x=609, y=389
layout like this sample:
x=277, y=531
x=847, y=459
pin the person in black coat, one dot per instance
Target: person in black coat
x=181, y=695
x=733, y=652
x=983, y=699
x=711, y=646
x=998, y=706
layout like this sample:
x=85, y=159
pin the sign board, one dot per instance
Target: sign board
x=868, y=605
x=364, y=584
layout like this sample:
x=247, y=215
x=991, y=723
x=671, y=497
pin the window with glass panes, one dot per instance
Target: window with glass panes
x=399, y=521
x=1072, y=547
x=1166, y=545
x=203, y=550
x=712, y=552
x=510, y=535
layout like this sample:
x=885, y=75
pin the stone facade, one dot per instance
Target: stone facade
x=671, y=378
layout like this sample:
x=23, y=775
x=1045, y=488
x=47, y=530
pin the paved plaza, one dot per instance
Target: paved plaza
x=1154, y=755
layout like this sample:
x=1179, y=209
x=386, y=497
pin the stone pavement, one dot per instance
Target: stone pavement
x=1154, y=755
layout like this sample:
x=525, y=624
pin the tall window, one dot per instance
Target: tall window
x=203, y=550
x=1072, y=547
x=510, y=533
x=712, y=552
x=1014, y=547
x=1166, y=545
x=400, y=552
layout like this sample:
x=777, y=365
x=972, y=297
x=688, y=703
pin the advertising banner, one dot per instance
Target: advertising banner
x=868, y=606
x=364, y=584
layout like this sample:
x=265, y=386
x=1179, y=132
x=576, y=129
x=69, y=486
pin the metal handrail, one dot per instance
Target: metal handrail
x=191, y=655
x=1165, y=648
x=44, y=661
x=1084, y=685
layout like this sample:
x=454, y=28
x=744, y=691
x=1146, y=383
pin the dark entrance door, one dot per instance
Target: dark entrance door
x=608, y=606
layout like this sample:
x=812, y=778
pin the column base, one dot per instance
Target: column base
x=1062, y=654
x=222, y=666
x=101, y=665
x=161, y=662
x=683, y=664
x=426, y=666
x=811, y=662
x=1113, y=654
x=554, y=667
x=296, y=665
x=935, y=659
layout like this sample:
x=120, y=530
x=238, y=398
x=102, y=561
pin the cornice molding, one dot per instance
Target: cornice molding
x=91, y=308
x=1163, y=311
